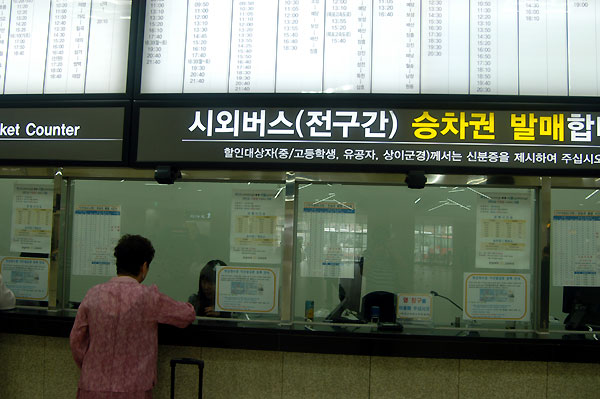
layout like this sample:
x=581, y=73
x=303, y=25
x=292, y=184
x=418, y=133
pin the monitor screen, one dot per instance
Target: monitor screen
x=64, y=47
x=583, y=307
x=349, y=291
x=529, y=47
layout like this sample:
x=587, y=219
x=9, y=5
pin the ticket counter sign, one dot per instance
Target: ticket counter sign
x=496, y=296
x=485, y=139
x=247, y=289
x=58, y=135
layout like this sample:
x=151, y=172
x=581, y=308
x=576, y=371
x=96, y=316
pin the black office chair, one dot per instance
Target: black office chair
x=386, y=302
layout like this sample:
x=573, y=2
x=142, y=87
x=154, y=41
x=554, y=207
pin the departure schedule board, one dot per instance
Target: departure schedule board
x=64, y=46
x=500, y=47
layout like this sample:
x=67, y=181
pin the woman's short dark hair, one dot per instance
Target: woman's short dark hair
x=131, y=253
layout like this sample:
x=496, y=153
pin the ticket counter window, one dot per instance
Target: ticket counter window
x=229, y=233
x=444, y=256
x=25, y=247
x=573, y=254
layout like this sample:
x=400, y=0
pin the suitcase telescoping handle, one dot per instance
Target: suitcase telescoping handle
x=187, y=360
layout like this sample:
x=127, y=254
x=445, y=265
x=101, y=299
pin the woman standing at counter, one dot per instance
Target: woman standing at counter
x=114, y=339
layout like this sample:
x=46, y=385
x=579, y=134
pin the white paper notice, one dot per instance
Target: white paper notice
x=247, y=289
x=494, y=296
x=26, y=277
x=256, y=227
x=96, y=231
x=413, y=307
x=330, y=223
x=31, y=218
x=575, y=248
x=503, y=226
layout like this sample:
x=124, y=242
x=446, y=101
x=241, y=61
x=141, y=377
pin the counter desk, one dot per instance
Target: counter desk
x=449, y=343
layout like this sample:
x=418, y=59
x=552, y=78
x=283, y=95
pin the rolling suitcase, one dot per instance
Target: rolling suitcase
x=187, y=360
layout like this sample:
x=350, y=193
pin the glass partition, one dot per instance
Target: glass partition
x=25, y=239
x=448, y=259
x=574, y=271
x=441, y=256
x=189, y=224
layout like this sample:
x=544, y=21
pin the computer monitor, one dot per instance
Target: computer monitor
x=349, y=291
x=583, y=307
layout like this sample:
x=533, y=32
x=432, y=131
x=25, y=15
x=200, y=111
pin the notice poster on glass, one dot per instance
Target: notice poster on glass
x=413, y=306
x=26, y=277
x=575, y=248
x=503, y=225
x=326, y=252
x=256, y=226
x=496, y=296
x=247, y=289
x=31, y=229
x=96, y=231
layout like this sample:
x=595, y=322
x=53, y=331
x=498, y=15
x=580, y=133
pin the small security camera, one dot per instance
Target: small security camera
x=166, y=174
x=415, y=179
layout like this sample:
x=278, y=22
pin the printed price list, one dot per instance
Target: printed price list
x=574, y=255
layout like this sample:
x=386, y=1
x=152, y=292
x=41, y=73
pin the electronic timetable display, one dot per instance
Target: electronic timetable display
x=64, y=46
x=500, y=47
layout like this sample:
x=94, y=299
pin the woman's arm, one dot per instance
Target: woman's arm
x=170, y=311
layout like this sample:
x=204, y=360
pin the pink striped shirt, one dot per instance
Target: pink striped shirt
x=115, y=336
